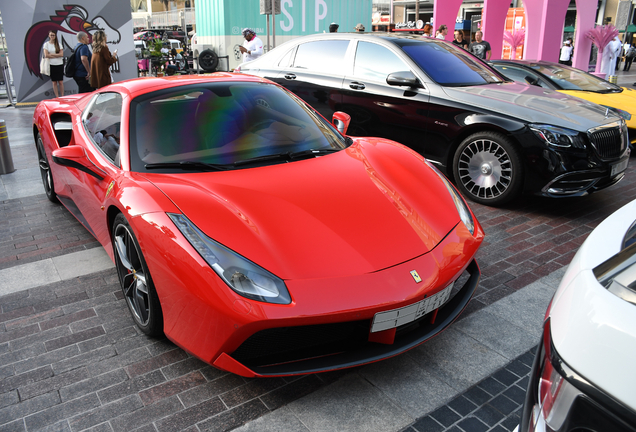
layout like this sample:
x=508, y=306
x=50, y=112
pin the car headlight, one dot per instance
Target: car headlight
x=619, y=112
x=557, y=136
x=462, y=208
x=243, y=276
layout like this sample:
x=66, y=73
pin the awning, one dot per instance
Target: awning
x=568, y=29
x=630, y=29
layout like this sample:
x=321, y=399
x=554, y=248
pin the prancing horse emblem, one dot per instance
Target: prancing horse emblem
x=416, y=276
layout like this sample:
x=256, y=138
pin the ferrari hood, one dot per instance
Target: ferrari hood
x=369, y=207
x=533, y=104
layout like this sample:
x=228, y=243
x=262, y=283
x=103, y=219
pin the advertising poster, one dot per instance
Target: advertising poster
x=27, y=24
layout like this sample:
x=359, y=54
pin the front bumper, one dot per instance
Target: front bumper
x=206, y=318
x=308, y=349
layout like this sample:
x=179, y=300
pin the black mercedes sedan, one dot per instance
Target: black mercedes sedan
x=495, y=138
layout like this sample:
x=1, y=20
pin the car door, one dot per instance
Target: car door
x=316, y=73
x=380, y=109
x=100, y=137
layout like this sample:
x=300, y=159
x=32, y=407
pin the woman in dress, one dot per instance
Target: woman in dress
x=55, y=54
x=101, y=61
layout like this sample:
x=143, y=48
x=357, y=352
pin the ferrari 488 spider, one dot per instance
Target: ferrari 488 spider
x=254, y=233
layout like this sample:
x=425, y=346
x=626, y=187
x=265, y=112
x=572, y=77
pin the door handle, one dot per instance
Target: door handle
x=290, y=76
x=356, y=85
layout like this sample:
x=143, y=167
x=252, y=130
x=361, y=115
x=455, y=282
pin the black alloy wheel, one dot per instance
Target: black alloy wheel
x=135, y=280
x=488, y=169
x=45, y=171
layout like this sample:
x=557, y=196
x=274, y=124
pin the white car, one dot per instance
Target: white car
x=584, y=374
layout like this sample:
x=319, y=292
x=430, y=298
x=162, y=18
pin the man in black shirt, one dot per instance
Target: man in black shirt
x=459, y=39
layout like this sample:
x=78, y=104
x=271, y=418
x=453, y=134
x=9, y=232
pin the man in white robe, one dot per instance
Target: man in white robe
x=610, y=55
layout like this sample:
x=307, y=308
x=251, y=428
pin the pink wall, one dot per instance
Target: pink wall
x=494, y=24
x=445, y=12
x=544, y=26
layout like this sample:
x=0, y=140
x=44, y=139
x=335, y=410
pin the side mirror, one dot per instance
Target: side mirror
x=341, y=121
x=75, y=157
x=405, y=78
x=532, y=81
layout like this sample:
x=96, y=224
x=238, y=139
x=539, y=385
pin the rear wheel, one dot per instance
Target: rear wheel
x=488, y=169
x=45, y=171
x=135, y=280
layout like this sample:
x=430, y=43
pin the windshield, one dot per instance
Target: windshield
x=223, y=124
x=449, y=65
x=573, y=79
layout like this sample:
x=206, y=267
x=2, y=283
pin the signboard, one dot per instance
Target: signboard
x=27, y=25
x=266, y=7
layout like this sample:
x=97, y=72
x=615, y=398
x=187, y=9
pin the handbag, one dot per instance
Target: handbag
x=45, y=66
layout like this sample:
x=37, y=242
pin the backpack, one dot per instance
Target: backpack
x=69, y=68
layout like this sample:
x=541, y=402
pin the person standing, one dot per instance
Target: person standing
x=459, y=40
x=82, y=64
x=566, y=53
x=629, y=57
x=252, y=46
x=333, y=27
x=480, y=48
x=101, y=61
x=360, y=27
x=427, y=30
x=54, y=53
x=442, y=31
x=610, y=55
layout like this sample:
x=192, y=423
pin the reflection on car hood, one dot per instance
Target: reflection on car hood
x=360, y=210
x=533, y=104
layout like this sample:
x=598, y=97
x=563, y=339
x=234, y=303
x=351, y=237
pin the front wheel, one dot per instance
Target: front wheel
x=45, y=171
x=135, y=280
x=488, y=169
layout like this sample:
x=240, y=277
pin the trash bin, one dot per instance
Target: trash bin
x=6, y=161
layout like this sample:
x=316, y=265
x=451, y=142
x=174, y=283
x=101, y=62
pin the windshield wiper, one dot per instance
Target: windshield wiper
x=312, y=152
x=189, y=166
x=287, y=156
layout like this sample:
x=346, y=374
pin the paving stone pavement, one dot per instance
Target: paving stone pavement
x=71, y=358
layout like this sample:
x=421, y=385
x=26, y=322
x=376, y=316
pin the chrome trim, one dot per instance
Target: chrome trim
x=616, y=124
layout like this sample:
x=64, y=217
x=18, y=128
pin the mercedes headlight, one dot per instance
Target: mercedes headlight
x=557, y=136
x=243, y=276
x=619, y=112
x=462, y=208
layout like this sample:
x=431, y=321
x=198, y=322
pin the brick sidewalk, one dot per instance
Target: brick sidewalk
x=71, y=357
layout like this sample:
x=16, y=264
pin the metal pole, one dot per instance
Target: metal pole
x=6, y=162
x=273, y=23
x=268, y=46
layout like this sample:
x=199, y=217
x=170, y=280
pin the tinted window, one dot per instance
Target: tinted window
x=222, y=123
x=520, y=75
x=103, y=123
x=375, y=62
x=573, y=79
x=322, y=56
x=448, y=65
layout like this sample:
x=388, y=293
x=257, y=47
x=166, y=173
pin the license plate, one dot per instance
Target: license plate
x=619, y=167
x=397, y=317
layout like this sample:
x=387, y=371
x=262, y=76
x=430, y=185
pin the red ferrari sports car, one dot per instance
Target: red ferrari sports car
x=252, y=232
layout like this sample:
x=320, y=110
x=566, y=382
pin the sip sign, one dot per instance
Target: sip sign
x=303, y=17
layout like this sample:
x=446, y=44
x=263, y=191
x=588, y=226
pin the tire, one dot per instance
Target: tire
x=135, y=280
x=45, y=171
x=488, y=169
x=208, y=60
